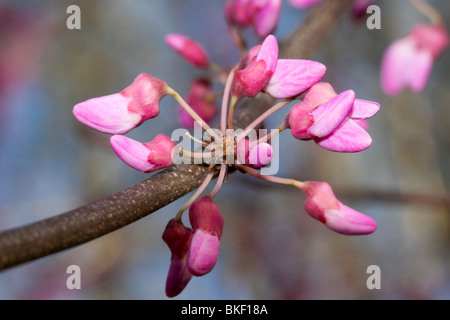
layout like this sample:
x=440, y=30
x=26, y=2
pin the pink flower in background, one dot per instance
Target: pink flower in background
x=407, y=62
x=359, y=8
x=120, y=112
x=189, y=49
x=262, y=15
x=201, y=98
x=322, y=205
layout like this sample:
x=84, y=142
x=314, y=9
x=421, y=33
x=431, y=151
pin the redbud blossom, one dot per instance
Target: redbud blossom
x=189, y=49
x=262, y=15
x=254, y=155
x=359, y=8
x=120, y=112
x=294, y=76
x=407, y=62
x=178, y=238
x=331, y=119
x=145, y=157
x=200, y=99
x=322, y=205
x=254, y=77
x=207, y=223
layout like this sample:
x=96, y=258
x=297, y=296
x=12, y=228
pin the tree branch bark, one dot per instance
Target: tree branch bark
x=94, y=220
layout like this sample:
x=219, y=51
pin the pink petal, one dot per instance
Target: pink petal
x=178, y=276
x=363, y=109
x=267, y=18
x=319, y=93
x=349, y=137
x=260, y=155
x=293, y=76
x=397, y=60
x=328, y=116
x=269, y=53
x=349, y=221
x=132, y=152
x=420, y=70
x=108, y=114
x=203, y=253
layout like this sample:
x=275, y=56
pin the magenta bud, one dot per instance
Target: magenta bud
x=207, y=223
x=145, y=157
x=200, y=99
x=178, y=238
x=120, y=112
x=189, y=49
x=322, y=205
x=255, y=156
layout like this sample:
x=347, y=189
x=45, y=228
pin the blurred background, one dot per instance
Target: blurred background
x=271, y=249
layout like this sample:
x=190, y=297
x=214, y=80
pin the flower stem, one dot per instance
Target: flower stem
x=193, y=114
x=226, y=95
x=272, y=134
x=256, y=174
x=262, y=117
x=198, y=192
x=427, y=10
x=231, y=111
x=220, y=179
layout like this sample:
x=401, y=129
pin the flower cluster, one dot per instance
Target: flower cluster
x=334, y=121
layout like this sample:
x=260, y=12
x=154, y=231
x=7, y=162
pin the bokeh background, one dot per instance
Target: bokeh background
x=271, y=249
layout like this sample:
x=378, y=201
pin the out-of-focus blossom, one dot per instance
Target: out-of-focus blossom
x=189, y=49
x=262, y=15
x=407, y=62
x=200, y=98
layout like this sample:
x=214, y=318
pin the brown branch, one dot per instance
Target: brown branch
x=101, y=217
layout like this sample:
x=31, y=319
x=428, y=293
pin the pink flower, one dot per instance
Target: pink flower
x=280, y=78
x=302, y=4
x=294, y=76
x=178, y=238
x=322, y=205
x=145, y=157
x=200, y=99
x=254, y=77
x=254, y=155
x=331, y=119
x=407, y=62
x=189, y=49
x=120, y=112
x=262, y=15
x=207, y=223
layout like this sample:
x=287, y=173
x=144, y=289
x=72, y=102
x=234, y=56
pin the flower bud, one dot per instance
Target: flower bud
x=322, y=205
x=207, y=223
x=145, y=157
x=120, y=112
x=178, y=238
x=189, y=49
